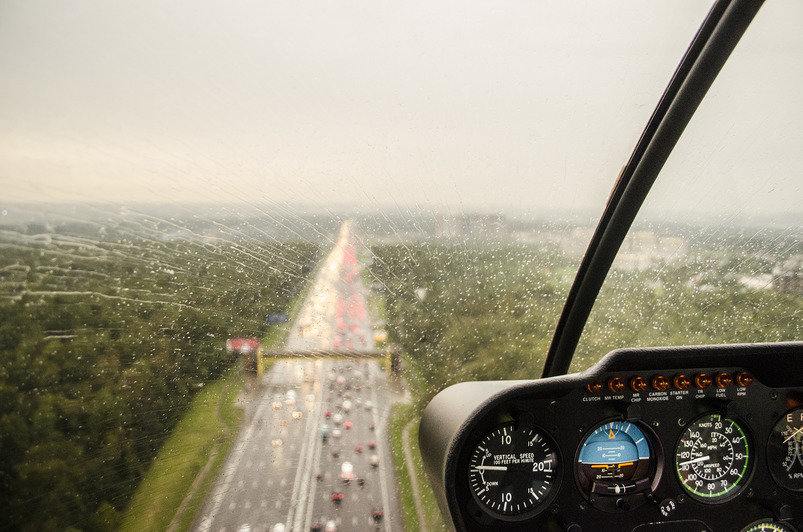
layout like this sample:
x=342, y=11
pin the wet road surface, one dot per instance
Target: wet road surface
x=281, y=470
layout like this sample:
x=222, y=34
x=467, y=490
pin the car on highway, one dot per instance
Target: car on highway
x=347, y=425
x=337, y=497
x=347, y=471
x=321, y=526
x=290, y=398
x=358, y=449
x=297, y=414
x=337, y=419
x=277, y=405
x=347, y=405
x=374, y=460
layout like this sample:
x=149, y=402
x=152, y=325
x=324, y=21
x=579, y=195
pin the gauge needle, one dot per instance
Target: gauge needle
x=793, y=434
x=492, y=467
x=700, y=459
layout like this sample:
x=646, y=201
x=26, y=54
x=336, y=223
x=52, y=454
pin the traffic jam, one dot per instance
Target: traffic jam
x=353, y=463
x=348, y=472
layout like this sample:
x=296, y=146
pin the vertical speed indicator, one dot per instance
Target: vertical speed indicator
x=513, y=471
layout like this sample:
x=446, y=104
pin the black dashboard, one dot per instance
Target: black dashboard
x=683, y=438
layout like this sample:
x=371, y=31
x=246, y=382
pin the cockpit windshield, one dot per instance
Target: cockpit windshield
x=243, y=244
x=716, y=252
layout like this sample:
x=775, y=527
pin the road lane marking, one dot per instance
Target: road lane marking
x=317, y=454
x=231, y=468
x=300, y=489
x=379, y=427
x=306, y=443
x=308, y=494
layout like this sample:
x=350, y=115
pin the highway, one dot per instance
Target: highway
x=281, y=473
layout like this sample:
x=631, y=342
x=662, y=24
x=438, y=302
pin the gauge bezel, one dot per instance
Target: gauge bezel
x=551, y=494
x=769, y=521
x=654, y=472
x=746, y=477
x=772, y=470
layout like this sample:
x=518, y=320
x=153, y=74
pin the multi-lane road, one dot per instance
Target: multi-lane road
x=281, y=473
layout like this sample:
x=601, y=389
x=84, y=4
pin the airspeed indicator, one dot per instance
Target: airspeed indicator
x=513, y=470
x=712, y=458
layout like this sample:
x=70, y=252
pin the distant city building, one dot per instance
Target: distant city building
x=642, y=250
x=572, y=242
x=671, y=248
x=577, y=241
x=787, y=276
x=756, y=282
x=479, y=226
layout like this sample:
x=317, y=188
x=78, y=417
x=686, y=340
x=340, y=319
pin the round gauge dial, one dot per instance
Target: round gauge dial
x=513, y=471
x=712, y=458
x=767, y=526
x=615, y=459
x=785, y=450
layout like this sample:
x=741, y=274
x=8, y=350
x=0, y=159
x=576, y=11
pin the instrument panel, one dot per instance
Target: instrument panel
x=697, y=438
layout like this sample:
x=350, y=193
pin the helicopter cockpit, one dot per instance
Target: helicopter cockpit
x=647, y=439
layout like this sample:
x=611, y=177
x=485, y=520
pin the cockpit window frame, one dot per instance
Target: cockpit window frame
x=710, y=48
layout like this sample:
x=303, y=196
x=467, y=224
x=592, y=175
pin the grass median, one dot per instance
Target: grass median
x=206, y=431
x=402, y=415
x=179, y=479
x=208, y=427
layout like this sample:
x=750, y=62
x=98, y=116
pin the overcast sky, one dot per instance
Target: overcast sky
x=465, y=105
